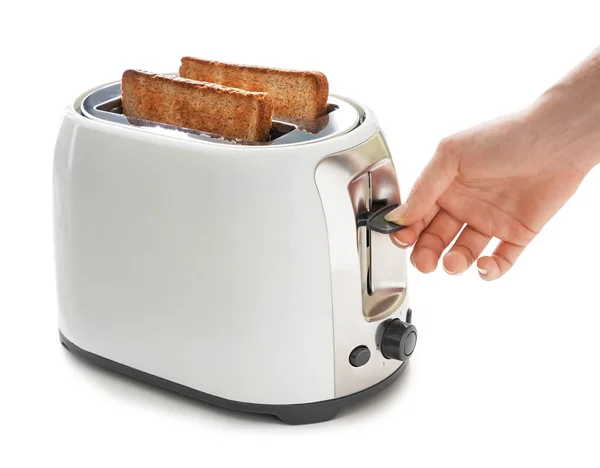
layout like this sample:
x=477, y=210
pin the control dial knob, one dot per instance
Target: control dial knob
x=398, y=340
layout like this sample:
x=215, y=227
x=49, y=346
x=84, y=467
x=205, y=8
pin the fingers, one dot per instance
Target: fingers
x=432, y=183
x=465, y=251
x=434, y=240
x=503, y=258
x=409, y=235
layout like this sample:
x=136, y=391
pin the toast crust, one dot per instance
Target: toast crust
x=208, y=107
x=296, y=94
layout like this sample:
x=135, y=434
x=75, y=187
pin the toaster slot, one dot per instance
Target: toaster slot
x=279, y=129
x=360, y=195
x=105, y=104
x=114, y=106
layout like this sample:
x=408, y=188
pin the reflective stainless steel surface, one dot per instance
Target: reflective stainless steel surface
x=104, y=103
x=368, y=272
x=383, y=271
x=387, y=278
x=360, y=196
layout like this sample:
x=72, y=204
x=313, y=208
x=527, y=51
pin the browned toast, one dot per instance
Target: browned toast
x=207, y=107
x=296, y=94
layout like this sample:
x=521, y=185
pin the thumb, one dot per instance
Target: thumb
x=437, y=176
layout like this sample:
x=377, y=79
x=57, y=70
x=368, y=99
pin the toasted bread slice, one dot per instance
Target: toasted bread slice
x=191, y=104
x=297, y=94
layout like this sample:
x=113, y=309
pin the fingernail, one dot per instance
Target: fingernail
x=397, y=214
x=448, y=271
x=482, y=271
x=458, y=260
x=399, y=243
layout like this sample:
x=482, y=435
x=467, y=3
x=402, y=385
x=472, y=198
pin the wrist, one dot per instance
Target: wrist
x=566, y=123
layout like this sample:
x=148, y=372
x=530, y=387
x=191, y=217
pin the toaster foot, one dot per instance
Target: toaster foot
x=306, y=413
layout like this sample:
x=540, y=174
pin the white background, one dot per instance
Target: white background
x=505, y=373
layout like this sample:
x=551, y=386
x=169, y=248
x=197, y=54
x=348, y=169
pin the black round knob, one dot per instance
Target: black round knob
x=398, y=340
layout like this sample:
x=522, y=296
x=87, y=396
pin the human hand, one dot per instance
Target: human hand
x=503, y=179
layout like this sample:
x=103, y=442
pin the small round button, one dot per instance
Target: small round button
x=360, y=356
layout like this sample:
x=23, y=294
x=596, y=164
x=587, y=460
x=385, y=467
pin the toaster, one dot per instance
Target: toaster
x=259, y=277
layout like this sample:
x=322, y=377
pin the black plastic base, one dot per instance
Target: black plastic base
x=307, y=413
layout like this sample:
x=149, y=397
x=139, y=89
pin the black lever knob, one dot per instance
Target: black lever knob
x=398, y=340
x=377, y=222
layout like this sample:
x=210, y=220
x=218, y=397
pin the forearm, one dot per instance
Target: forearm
x=566, y=118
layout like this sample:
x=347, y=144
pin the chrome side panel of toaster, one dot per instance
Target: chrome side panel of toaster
x=368, y=272
x=203, y=265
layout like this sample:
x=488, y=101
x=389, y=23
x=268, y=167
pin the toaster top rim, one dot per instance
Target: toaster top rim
x=103, y=103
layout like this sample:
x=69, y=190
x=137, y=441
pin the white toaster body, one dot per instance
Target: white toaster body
x=237, y=274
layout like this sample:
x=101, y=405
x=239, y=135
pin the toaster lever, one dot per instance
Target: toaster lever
x=362, y=219
x=376, y=221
